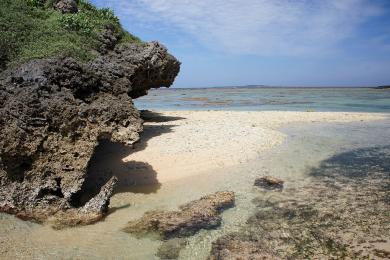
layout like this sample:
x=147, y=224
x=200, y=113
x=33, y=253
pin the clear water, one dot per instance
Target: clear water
x=306, y=147
x=285, y=99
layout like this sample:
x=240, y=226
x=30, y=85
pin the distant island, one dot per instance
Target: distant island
x=383, y=87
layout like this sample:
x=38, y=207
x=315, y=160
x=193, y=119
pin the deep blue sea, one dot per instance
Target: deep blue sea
x=268, y=98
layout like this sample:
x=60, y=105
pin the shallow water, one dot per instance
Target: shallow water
x=284, y=99
x=304, y=150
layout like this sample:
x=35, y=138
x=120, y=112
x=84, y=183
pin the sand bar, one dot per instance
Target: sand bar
x=178, y=144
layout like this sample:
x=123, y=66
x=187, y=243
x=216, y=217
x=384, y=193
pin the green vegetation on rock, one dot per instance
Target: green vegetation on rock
x=31, y=29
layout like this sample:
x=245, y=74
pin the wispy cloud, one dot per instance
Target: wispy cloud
x=263, y=27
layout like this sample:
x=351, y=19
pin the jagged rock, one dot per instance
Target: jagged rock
x=53, y=112
x=91, y=212
x=66, y=6
x=232, y=247
x=269, y=182
x=130, y=67
x=108, y=38
x=199, y=214
x=170, y=249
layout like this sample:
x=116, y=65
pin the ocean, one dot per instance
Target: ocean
x=267, y=98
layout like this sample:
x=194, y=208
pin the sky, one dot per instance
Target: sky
x=267, y=42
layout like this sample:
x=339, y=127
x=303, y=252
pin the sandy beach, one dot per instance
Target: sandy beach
x=179, y=144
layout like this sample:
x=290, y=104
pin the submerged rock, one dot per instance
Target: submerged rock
x=54, y=112
x=170, y=249
x=199, y=214
x=269, y=182
x=232, y=247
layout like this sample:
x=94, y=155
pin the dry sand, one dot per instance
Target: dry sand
x=178, y=144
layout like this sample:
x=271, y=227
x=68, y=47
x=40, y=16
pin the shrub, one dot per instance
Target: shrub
x=108, y=14
x=36, y=3
x=85, y=5
x=77, y=22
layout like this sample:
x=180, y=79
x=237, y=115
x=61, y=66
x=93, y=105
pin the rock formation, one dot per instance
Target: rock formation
x=53, y=112
x=170, y=249
x=199, y=214
x=269, y=183
x=66, y=6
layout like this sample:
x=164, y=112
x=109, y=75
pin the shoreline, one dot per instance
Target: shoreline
x=127, y=206
x=180, y=144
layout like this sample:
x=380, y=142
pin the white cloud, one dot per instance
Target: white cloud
x=262, y=27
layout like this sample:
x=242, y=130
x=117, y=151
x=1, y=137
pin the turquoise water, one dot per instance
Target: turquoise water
x=282, y=99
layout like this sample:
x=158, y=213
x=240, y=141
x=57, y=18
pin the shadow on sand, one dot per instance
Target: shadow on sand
x=133, y=176
x=155, y=117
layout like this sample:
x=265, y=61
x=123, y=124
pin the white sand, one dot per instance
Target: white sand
x=179, y=144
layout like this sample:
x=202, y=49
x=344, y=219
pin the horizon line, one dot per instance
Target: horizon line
x=274, y=86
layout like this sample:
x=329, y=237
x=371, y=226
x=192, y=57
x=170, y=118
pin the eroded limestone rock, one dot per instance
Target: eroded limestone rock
x=66, y=6
x=199, y=214
x=53, y=112
x=269, y=183
x=170, y=249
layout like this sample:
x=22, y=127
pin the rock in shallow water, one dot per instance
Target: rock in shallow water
x=199, y=214
x=269, y=183
x=53, y=112
x=232, y=247
x=170, y=249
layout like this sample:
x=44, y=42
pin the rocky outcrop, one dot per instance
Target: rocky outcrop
x=129, y=68
x=108, y=38
x=170, y=249
x=192, y=217
x=269, y=183
x=66, y=6
x=54, y=112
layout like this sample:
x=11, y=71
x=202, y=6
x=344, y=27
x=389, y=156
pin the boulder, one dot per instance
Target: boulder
x=66, y=6
x=199, y=214
x=170, y=249
x=136, y=68
x=269, y=183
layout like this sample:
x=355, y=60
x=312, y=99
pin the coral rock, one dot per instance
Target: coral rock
x=269, y=182
x=54, y=112
x=199, y=214
x=170, y=249
x=66, y=6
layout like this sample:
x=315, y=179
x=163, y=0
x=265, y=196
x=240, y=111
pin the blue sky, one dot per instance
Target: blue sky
x=270, y=42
